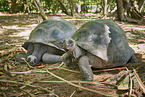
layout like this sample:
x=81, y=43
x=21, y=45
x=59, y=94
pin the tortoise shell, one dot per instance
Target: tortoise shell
x=51, y=32
x=105, y=40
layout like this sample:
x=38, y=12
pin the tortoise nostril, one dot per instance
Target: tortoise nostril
x=35, y=60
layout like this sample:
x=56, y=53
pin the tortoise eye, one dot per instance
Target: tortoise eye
x=70, y=42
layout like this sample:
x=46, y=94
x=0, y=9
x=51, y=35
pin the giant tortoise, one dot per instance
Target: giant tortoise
x=99, y=43
x=46, y=41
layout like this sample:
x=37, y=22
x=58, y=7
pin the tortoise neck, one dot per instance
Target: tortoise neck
x=77, y=52
x=39, y=50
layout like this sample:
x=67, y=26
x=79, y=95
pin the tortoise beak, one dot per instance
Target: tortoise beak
x=32, y=60
x=69, y=44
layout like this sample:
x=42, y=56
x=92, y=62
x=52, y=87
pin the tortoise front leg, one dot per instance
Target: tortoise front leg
x=50, y=58
x=67, y=58
x=85, y=68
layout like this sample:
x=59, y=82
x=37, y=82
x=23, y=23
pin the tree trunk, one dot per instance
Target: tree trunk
x=120, y=10
x=40, y=8
x=105, y=7
x=132, y=12
x=63, y=7
x=71, y=7
x=13, y=6
x=84, y=8
x=141, y=4
x=126, y=10
x=23, y=6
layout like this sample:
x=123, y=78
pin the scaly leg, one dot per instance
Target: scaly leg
x=50, y=58
x=85, y=68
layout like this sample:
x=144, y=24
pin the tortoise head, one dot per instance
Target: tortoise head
x=69, y=44
x=32, y=60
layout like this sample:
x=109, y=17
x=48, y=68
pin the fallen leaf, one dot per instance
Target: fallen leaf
x=123, y=86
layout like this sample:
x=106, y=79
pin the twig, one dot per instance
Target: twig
x=70, y=70
x=27, y=63
x=35, y=71
x=78, y=86
x=4, y=95
x=62, y=63
x=64, y=69
x=82, y=82
x=31, y=95
x=109, y=69
x=6, y=70
x=40, y=8
x=30, y=71
x=142, y=86
x=130, y=83
x=32, y=86
x=73, y=93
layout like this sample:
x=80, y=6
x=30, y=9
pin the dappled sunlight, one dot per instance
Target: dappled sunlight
x=138, y=28
x=127, y=26
x=16, y=31
x=135, y=34
x=24, y=34
x=139, y=48
x=20, y=20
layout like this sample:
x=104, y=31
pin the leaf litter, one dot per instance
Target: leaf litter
x=56, y=80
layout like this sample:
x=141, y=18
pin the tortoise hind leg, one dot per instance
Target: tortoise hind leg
x=132, y=59
x=50, y=58
x=85, y=69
